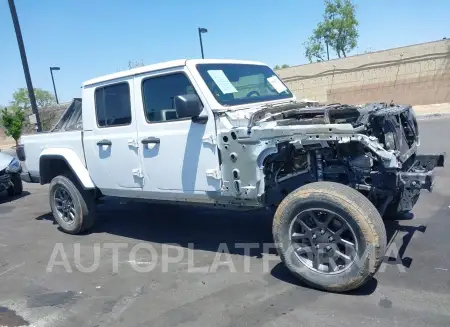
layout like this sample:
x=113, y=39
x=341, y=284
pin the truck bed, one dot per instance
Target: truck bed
x=71, y=119
x=67, y=133
x=34, y=144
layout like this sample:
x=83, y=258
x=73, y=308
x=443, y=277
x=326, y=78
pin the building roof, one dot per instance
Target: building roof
x=163, y=65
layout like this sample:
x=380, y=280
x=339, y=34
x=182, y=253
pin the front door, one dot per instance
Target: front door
x=178, y=155
x=111, y=150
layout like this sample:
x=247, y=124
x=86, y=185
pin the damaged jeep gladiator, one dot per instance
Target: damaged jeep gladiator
x=229, y=133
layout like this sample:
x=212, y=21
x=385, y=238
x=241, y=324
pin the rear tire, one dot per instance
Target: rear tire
x=17, y=187
x=323, y=220
x=72, y=206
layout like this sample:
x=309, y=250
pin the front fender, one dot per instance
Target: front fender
x=73, y=162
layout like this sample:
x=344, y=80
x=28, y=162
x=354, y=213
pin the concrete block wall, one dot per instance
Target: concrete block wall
x=417, y=74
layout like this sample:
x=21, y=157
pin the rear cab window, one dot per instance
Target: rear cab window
x=113, y=105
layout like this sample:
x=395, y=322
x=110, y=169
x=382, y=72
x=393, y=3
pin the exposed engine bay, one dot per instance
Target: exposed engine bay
x=371, y=148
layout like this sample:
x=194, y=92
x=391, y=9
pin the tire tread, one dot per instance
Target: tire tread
x=351, y=199
x=84, y=198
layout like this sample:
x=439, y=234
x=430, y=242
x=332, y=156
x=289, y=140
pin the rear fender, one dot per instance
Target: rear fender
x=73, y=161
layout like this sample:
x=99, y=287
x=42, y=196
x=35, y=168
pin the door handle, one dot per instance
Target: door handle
x=151, y=139
x=104, y=142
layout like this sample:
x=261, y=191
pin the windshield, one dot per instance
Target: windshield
x=235, y=84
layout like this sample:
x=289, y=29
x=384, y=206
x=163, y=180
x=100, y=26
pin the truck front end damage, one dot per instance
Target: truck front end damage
x=269, y=152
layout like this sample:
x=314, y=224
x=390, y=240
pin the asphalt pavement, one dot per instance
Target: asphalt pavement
x=46, y=278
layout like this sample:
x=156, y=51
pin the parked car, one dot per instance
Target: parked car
x=10, y=170
x=230, y=133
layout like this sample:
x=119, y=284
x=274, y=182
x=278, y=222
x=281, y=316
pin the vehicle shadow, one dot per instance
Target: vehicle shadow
x=47, y=216
x=399, y=236
x=205, y=228
x=187, y=226
x=4, y=198
x=281, y=272
x=208, y=229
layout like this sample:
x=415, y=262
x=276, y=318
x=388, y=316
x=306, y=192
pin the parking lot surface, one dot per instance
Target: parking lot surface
x=46, y=278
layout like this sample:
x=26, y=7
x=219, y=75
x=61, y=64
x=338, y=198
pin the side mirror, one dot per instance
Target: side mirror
x=187, y=105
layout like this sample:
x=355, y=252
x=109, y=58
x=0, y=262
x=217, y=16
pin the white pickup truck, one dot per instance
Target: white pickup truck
x=229, y=133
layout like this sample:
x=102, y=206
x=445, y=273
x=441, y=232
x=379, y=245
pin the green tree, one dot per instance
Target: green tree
x=315, y=48
x=338, y=30
x=21, y=100
x=134, y=63
x=12, y=120
x=281, y=66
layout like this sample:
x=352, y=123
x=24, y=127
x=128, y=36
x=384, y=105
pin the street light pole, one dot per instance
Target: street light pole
x=53, y=81
x=26, y=69
x=200, y=31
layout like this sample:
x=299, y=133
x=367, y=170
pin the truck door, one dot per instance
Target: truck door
x=110, y=137
x=177, y=154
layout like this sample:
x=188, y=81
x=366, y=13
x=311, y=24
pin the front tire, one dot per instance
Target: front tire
x=17, y=187
x=72, y=206
x=330, y=236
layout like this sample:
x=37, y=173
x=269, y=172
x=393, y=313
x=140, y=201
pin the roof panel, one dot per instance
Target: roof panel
x=164, y=65
x=135, y=71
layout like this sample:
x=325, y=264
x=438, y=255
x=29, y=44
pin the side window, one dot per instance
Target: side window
x=159, y=93
x=112, y=104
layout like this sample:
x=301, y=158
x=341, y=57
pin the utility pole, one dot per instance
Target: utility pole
x=53, y=81
x=328, y=53
x=26, y=69
x=200, y=31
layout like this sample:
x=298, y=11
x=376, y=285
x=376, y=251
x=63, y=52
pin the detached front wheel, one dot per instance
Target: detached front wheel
x=330, y=236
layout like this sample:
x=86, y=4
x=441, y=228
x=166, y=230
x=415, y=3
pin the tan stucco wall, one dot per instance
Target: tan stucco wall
x=416, y=74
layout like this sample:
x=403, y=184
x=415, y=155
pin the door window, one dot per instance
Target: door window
x=159, y=94
x=113, y=106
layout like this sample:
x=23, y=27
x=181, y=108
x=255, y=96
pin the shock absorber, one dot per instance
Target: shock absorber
x=319, y=165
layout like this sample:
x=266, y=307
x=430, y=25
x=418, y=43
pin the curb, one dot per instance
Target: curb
x=7, y=147
x=433, y=115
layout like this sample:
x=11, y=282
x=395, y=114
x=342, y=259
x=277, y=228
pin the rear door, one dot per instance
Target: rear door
x=110, y=137
x=177, y=154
